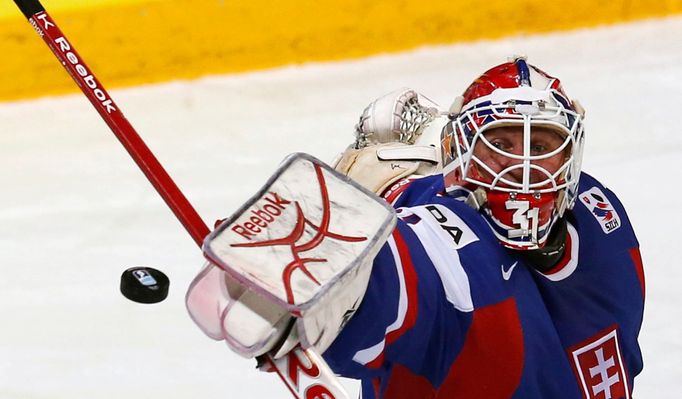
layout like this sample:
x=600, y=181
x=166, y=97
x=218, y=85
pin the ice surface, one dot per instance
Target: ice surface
x=75, y=211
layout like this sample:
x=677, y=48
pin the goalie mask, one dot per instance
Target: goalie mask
x=513, y=149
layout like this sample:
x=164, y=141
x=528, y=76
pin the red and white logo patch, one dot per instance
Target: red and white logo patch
x=595, y=200
x=598, y=365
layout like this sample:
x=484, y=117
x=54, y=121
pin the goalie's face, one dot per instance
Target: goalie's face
x=524, y=171
x=513, y=149
x=503, y=158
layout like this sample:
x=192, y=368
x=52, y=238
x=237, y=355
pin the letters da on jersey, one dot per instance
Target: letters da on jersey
x=598, y=365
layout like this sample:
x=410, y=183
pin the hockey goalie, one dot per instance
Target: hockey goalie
x=447, y=254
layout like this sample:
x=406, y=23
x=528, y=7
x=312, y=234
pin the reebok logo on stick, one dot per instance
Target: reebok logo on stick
x=89, y=80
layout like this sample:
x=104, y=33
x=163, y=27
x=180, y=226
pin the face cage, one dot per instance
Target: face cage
x=566, y=176
x=563, y=183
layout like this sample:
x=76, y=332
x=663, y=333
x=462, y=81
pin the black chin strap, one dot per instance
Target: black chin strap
x=547, y=257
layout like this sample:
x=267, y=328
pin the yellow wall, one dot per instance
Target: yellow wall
x=128, y=42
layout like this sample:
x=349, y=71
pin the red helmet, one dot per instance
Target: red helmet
x=513, y=149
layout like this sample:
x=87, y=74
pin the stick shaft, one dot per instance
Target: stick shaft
x=114, y=118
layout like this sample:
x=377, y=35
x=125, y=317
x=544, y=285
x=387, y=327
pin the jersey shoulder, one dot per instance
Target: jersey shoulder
x=419, y=191
x=599, y=214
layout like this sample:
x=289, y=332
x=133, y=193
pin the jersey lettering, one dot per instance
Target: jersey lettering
x=454, y=231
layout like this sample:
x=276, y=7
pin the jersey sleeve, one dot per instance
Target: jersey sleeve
x=405, y=317
x=602, y=215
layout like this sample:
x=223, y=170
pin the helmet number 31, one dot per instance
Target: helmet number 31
x=525, y=217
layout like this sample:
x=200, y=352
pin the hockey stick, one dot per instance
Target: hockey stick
x=304, y=372
x=114, y=118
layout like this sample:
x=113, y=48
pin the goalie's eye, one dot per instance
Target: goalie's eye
x=502, y=144
x=538, y=149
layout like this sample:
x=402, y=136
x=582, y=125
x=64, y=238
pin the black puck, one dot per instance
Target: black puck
x=144, y=284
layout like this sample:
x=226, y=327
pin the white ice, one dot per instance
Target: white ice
x=75, y=211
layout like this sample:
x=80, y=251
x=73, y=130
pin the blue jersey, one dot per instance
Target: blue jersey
x=450, y=313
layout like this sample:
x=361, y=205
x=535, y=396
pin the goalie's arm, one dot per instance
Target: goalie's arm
x=400, y=318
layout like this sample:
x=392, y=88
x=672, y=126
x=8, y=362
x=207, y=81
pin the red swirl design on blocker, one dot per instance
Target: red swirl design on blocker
x=292, y=239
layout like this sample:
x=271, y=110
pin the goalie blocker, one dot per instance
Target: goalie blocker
x=291, y=265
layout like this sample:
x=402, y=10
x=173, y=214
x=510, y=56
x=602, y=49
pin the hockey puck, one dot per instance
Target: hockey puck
x=144, y=284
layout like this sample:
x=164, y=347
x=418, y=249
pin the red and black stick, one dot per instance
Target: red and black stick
x=112, y=115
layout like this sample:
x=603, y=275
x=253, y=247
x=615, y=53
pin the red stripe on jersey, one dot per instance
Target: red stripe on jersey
x=376, y=386
x=410, y=278
x=410, y=288
x=490, y=364
x=392, y=193
x=377, y=362
x=639, y=268
x=404, y=384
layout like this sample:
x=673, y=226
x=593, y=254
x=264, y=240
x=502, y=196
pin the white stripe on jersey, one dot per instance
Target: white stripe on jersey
x=442, y=250
x=365, y=356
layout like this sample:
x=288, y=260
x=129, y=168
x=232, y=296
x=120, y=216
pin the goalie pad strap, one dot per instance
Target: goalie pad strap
x=380, y=166
x=365, y=168
x=411, y=153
